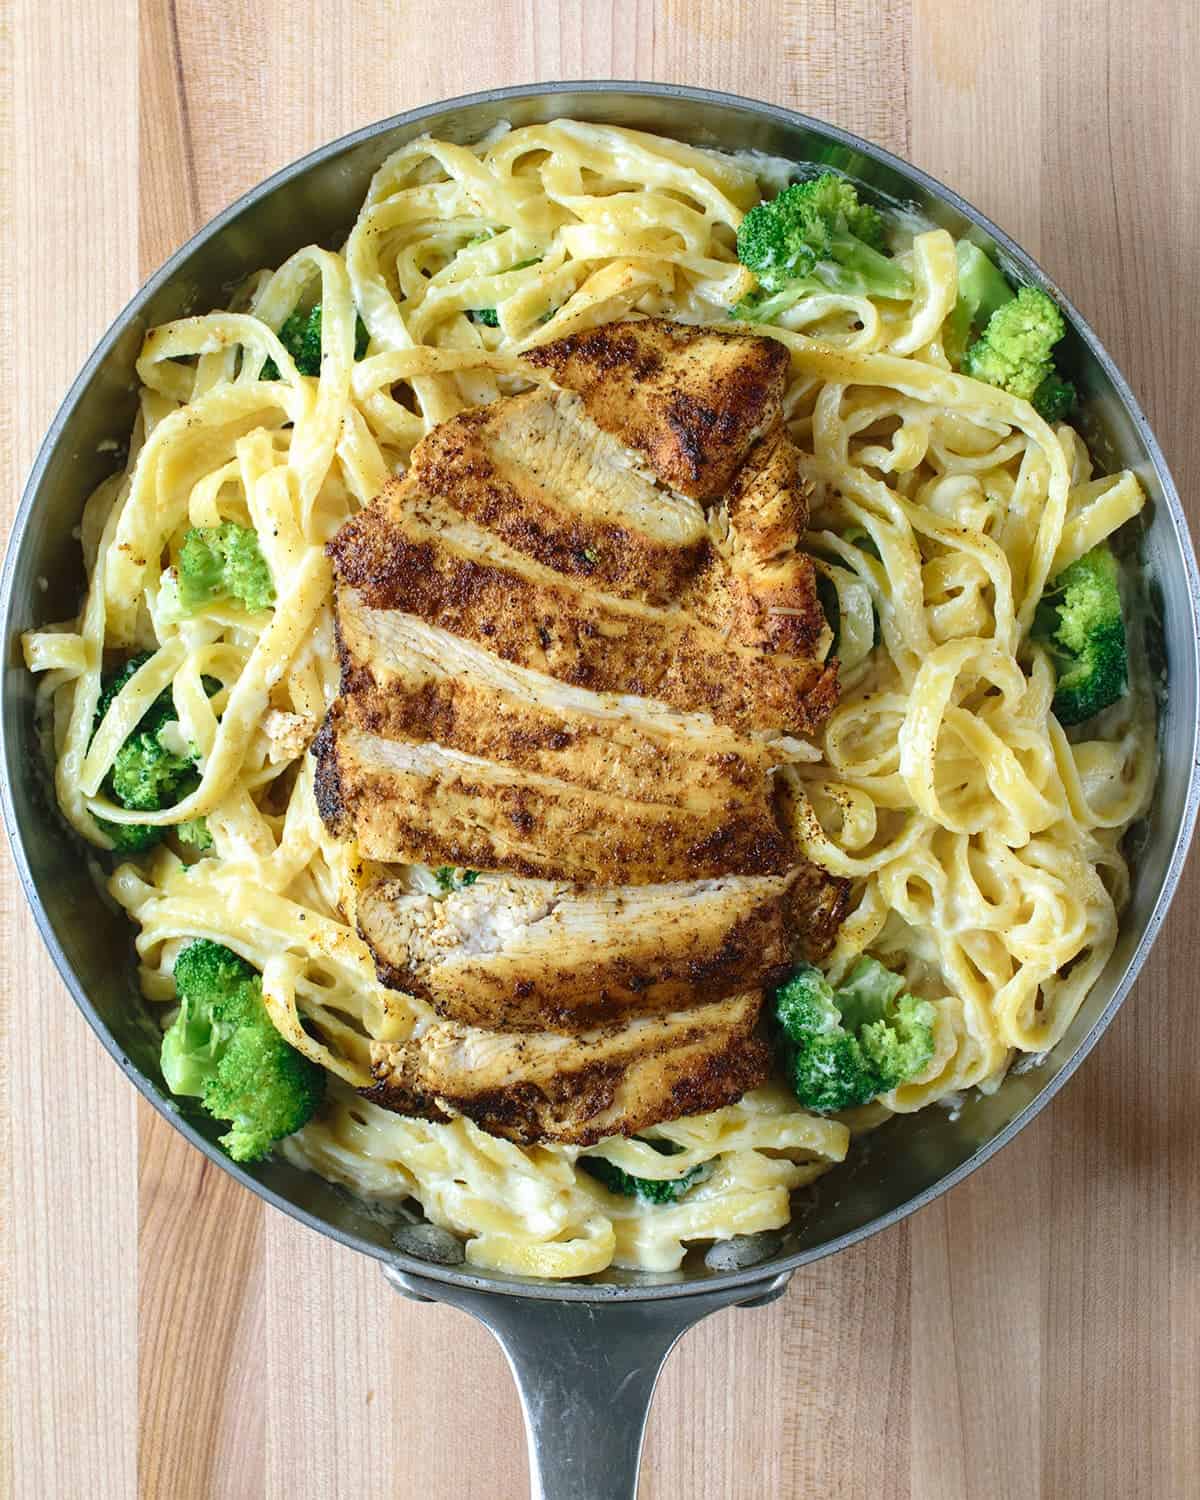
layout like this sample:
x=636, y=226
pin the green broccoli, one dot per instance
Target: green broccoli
x=1055, y=398
x=224, y=1049
x=146, y=774
x=195, y=832
x=223, y=562
x=1016, y=354
x=982, y=290
x=816, y=236
x=449, y=879
x=846, y=1046
x=649, y=1189
x=301, y=337
x=1079, y=622
x=129, y=838
x=827, y=594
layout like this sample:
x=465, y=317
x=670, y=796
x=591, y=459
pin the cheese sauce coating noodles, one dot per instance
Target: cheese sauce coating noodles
x=983, y=842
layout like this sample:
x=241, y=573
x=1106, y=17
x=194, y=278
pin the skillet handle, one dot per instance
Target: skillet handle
x=585, y=1373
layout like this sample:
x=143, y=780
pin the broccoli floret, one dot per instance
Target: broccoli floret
x=130, y=838
x=451, y=879
x=825, y=1064
x=982, y=289
x=816, y=236
x=146, y=774
x=650, y=1189
x=1079, y=621
x=223, y=1049
x=301, y=337
x=195, y=833
x=1055, y=398
x=844, y=1047
x=894, y=1030
x=1016, y=352
x=224, y=562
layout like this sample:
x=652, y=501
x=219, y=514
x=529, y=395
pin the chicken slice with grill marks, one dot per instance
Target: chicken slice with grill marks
x=546, y=1087
x=405, y=679
x=692, y=400
x=759, y=588
x=544, y=955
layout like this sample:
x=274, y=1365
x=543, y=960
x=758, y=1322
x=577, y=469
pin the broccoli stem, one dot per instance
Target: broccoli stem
x=982, y=289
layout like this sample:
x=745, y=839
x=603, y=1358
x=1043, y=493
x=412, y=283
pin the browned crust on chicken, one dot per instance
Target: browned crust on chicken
x=582, y=959
x=400, y=686
x=557, y=513
x=537, y=619
x=392, y=1093
x=764, y=592
x=819, y=903
x=768, y=501
x=691, y=400
x=603, y=1084
x=327, y=782
x=421, y=804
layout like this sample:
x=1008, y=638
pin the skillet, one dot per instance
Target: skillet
x=585, y=1355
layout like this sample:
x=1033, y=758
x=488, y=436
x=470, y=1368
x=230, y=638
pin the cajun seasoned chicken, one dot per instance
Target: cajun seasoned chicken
x=440, y=753
x=577, y=640
x=693, y=400
x=579, y=1088
x=534, y=954
x=537, y=472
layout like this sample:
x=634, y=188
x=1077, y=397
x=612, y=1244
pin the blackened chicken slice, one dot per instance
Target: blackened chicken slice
x=545, y=955
x=535, y=1087
x=693, y=401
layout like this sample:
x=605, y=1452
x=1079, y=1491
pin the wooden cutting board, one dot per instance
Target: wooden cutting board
x=1032, y=1334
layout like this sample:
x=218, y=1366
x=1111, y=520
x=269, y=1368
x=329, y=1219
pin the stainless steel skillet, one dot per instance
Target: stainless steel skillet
x=586, y=1356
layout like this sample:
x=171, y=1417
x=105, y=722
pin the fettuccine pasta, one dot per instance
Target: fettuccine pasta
x=983, y=843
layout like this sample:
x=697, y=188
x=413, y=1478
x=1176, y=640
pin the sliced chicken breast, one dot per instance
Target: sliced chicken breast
x=760, y=590
x=544, y=955
x=577, y=639
x=692, y=400
x=538, y=473
x=578, y=1089
x=414, y=803
x=409, y=552
x=405, y=679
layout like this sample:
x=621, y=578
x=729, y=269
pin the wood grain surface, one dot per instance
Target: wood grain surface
x=1036, y=1332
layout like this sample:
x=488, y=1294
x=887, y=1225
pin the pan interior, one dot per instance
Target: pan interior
x=889, y=1172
